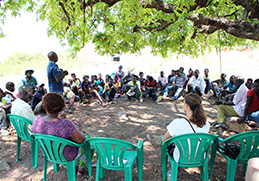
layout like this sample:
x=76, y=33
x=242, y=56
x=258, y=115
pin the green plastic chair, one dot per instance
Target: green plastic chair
x=249, y=142
x=53, y=148
x=21, y=126
x=193, y=152
x=114, y=154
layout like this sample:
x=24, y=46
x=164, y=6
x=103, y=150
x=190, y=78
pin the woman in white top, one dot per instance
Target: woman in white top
x=195, y=114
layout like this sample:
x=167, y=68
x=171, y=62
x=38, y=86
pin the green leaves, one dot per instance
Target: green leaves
x=129, y=26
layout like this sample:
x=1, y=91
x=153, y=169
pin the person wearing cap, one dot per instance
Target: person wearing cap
x=29, y=80
x=37, y=97
x=55, y=74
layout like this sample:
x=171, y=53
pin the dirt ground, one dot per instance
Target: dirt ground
x=127, y=120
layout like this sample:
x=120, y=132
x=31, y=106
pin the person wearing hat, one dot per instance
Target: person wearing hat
x=29, y=80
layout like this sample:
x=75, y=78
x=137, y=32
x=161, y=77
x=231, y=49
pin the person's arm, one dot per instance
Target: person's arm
x=166, y=136
x=5, y=106
x=78, y=137
x=11, y=95
x=248, y=103
x=60, y=77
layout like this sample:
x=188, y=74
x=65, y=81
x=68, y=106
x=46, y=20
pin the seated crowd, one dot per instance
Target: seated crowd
x=235, y=98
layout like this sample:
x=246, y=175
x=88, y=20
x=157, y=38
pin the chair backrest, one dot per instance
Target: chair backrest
x=111, y=151
x=21, y=126
x=193, y=147
x=53, y=147
x=249, y=142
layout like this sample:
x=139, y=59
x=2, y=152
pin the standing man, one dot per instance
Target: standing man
x=55, y=75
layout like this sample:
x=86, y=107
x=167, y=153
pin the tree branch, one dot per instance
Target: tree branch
x=66, y=13
x=238, y=28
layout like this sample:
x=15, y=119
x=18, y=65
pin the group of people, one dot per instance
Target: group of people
x=234, y=97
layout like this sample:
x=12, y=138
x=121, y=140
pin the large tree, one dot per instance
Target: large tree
x=182, y=26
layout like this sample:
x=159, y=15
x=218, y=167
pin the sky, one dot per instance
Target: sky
x=25, y=34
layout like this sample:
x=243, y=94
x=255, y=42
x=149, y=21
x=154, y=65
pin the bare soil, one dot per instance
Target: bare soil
x=127, y=120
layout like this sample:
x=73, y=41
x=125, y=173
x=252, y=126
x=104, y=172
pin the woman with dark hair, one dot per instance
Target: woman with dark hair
x=56, y=124
x=194, y=114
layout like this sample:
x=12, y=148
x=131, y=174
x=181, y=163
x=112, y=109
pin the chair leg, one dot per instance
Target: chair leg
x=231, y=169
x=102, y=173
x=71, y=172
x=212, y=158
x=128, y=173
x=204, y=173
x=245, y=168
x=56, y=167
x=174, y=171
x=34, y=154
x=140, y=168
x=164, y=165
x=18, y=147
x=97, y=175
x=45, y=169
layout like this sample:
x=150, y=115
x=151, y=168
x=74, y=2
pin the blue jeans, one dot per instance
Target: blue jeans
x=254, y=116
x=151, y=93
x=167, y=89
x=178, y=90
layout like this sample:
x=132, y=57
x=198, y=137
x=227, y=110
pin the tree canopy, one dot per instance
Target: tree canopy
x=182, y=26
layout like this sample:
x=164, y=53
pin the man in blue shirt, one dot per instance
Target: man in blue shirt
x=55, y=75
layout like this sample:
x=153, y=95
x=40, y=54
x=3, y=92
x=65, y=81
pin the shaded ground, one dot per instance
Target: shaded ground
x=130, y=121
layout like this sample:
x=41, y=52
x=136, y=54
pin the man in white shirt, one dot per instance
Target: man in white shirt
x=196, y=84
x=162, y=81
x=21, y=106
x=235, y=108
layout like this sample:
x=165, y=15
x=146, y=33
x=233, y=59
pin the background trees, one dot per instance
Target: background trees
x=182, y=26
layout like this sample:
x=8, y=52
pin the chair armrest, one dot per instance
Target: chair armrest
x=140, y=144
x=219, y=138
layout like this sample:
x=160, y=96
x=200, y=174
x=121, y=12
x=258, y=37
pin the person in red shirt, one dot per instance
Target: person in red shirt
x=252, y=106
x=150, y=88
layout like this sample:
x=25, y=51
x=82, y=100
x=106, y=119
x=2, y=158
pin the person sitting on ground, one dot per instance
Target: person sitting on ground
x=21, y=106
x=188, y=77
x=134, y=89
x=4, y=110
x=162, y=81
x=117, y=83
x=150, y=88
x=234, y=108
x=171, y=77
x=142, y=81
x=86, y=91
x=53, y=103
x=251, y=112
x=196, y=120
x=206, y=79
x=37, y=97
x=218, y=84
x=109, y=91
x=9, y=97
x=29, y=80
x=125, y=82
x=179, y=85
x=182, y=71
x=75, y=83
x=229, y=88
x=170, y=86
x=99, y=82
x=249, y=83
x=120, y=74
x=69, y=95
x=196, y=84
